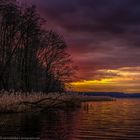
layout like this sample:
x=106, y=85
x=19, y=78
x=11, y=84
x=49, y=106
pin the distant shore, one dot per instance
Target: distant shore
x=15, y=102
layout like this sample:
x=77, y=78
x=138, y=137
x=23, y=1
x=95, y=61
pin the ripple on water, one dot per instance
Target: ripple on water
x=116, y=120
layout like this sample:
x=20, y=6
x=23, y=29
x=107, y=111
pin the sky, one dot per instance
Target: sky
x=103, y=38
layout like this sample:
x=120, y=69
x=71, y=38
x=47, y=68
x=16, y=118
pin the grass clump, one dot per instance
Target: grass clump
x=12, y=102
x=29, y=102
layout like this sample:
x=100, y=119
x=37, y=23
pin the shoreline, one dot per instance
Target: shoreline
x=17, y=102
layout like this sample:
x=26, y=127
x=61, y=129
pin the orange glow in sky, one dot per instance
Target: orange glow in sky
x=102, y=37
x=126, y=79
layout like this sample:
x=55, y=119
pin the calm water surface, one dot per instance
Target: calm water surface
x=117, y=120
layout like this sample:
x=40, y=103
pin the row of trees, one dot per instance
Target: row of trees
x=31, y=58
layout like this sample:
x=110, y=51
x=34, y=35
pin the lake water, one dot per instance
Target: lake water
x=115, y=120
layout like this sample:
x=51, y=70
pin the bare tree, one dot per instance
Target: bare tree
x=57, y=63
x=31, y=58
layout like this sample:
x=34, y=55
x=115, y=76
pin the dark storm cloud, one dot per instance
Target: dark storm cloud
x=101, y=33
x=93, y=15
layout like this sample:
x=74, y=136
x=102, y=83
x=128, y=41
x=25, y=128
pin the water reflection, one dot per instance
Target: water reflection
x=59, y=125
x=55, y=125
x=95, y=120
x=111, y=120
x=19, y=125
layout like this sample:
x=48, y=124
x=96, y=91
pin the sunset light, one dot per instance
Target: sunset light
x=126, y=79
x=70, y=69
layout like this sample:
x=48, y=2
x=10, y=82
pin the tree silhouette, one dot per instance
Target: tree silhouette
x=31, y=58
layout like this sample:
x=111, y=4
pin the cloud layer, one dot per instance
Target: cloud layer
x=101, y=34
